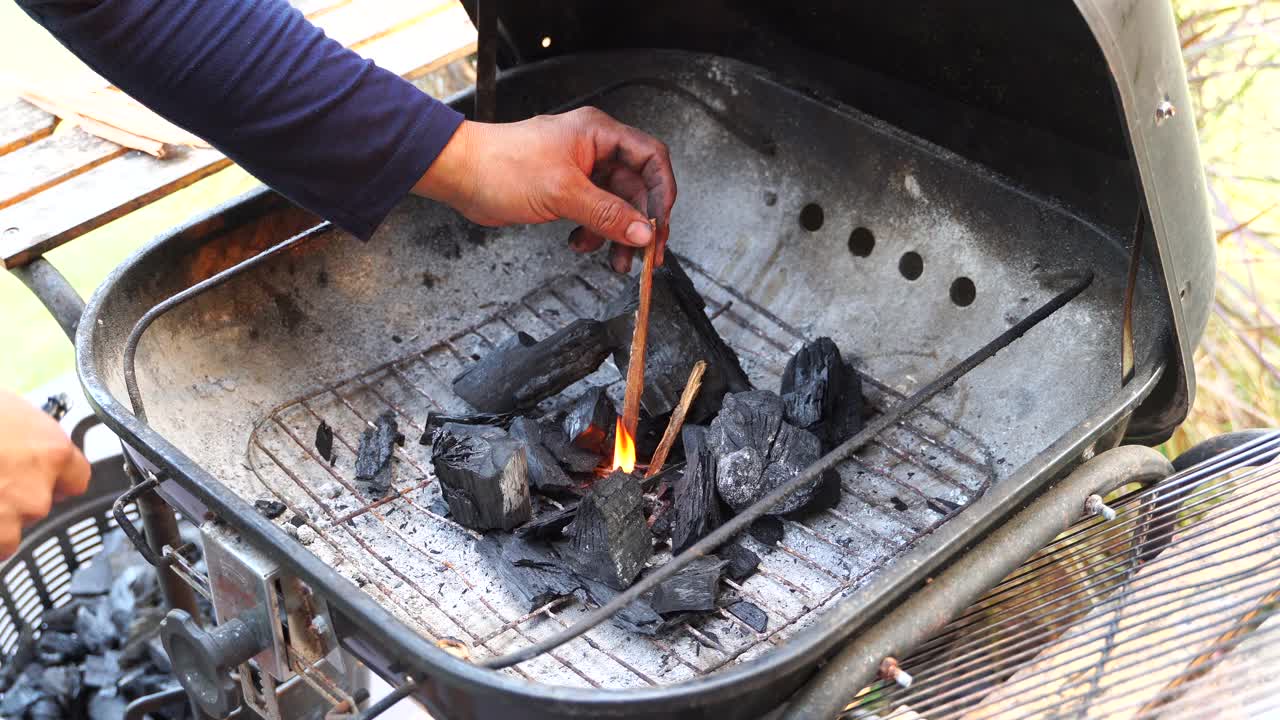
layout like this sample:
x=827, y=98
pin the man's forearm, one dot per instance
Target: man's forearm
x=317, y=122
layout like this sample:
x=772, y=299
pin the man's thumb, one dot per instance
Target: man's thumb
x=608, y=215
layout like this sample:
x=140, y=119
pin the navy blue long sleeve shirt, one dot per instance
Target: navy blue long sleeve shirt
x=326, y=128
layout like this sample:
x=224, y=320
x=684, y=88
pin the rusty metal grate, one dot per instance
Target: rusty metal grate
x=423, y=568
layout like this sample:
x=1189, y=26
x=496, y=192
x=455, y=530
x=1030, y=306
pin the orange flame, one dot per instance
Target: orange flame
x=624, y=449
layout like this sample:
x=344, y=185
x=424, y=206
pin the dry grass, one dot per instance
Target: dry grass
x=1232, y=50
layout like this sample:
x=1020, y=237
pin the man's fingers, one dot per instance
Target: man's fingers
x=10, y=533
x=584, y=241
x=606, y=214
x=643, y=154
x=74, y=478
x=620, y=257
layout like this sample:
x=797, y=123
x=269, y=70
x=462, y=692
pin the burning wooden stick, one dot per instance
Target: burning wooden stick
x=635, y=367
x=677, y=419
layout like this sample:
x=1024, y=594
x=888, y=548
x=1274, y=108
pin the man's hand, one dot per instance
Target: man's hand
x=38, y=465
x=582, y=165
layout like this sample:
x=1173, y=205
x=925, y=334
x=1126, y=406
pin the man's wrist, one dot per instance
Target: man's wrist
x=451, y=177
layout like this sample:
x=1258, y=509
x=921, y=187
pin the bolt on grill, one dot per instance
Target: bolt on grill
x=421, y=565
x=1165, y=611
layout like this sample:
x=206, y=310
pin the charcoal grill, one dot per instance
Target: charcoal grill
x=821, y=193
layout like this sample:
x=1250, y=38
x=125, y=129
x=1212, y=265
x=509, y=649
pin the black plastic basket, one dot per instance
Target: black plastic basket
x=38, y=577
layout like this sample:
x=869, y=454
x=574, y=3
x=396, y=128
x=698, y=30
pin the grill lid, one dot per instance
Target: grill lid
x=1075, y=101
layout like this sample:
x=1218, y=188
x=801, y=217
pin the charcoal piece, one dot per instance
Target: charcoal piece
x=637, y=616
x=63, y=617
x=680, y=334
x=532, y=571
x=767, y=530
x=693, y=589
x=439, y=506
x=549, y=525
x=101, y=671
x=590, y=421
x=107, y=707
x=46, y=708
x=134, y=586
x=270, y=509
x=95, y=628
x=742, y=562
x=751, y=614
x=822, y=394
x=483, y=475
x=324, y=441
x=299, y=518
x=92, y=578
x=609, y=540
x=660, y=523
x=435, y=420
x=25, y=692
x=522, y=371
x=573, y=458
x=942, y=506
x=697, y=507
x=545, y=472
x=55, y=648
x=756, y=451
x=373, y=459
x=62, y=682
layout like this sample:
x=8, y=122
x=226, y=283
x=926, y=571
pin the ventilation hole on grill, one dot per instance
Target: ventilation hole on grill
x=861, y=242
x=811, y=217
x=963, y=292
x=911, y=265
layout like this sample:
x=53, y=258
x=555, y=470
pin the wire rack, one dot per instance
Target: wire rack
x=423, y=567
x=1167, y=611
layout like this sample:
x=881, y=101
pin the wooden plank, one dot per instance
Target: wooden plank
x=312, y=8
x=22, y=123
x=426, y=45
x=49, y=161
x=433, y=35
x=95, y=198
x=361, y=21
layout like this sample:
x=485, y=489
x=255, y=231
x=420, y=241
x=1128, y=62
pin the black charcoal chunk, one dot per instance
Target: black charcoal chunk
x=93, y=578
x=95, y=628
x=373, y=459
x=55, y=648
x=25, y=692
x=637, y=616
x=822, y=393
x=435, y=420
x=483, y=475
x=544, y=470
x=693, y=589
x=270, y=509
x=522, y=371
x=742, y=562
x=609, y=540
x=532, y=571
x=63, y=618
x=680, y=334
x=62, y=682
x=942, y=506
x=590, y=421
x=102, y=671
x=696, y=505
x=324, y=441
x=767, y=530
x=751, y=614
x=756, y=452
x=107, y=707
x=571, y=457
x=549, y=525
x=46, y=708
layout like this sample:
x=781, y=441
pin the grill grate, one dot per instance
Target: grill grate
x=422, y=567
x=1167, y=611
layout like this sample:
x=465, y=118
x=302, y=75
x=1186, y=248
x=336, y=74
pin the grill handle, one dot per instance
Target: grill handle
x=203, y=659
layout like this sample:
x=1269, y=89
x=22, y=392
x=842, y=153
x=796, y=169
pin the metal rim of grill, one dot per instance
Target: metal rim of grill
x=932, y=462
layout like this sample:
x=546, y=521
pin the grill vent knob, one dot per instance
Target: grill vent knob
x=203, y=659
